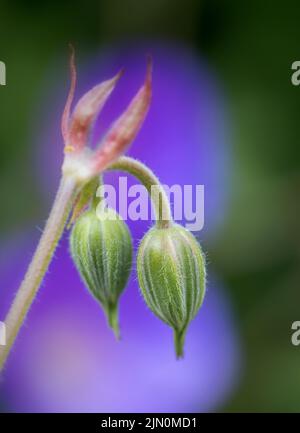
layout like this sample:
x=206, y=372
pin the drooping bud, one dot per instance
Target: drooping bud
x=101, y=248
x=171, y=273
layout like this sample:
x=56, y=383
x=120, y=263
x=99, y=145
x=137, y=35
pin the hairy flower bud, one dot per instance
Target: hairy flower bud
x=101, y=248
x=171, y=273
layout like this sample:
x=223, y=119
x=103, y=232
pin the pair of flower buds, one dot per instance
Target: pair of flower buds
x=170, y=263
x=170, y=268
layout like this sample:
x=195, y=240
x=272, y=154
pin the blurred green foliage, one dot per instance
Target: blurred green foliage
x=251, y=46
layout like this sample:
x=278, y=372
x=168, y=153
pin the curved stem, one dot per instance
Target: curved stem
x=150, y=181
x=53, y=230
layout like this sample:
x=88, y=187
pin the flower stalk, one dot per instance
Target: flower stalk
x=156, y=191
x=80, y=167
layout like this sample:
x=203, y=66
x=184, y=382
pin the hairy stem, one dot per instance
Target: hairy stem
x=53, y=230
x=150, y=181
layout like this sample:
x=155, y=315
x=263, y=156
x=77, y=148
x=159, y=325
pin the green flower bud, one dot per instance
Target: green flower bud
x=101, y=248
x=171, y=273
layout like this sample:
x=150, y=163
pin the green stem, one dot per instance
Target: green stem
x=95, y=199
x=53, y=230
x=179, y=338
x=150, y=181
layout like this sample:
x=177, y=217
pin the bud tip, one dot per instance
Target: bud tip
x=149, y=69
x=112, y=313
x=66, y=113
x=179, y=339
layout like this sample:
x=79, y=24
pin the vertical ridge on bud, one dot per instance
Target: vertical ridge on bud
x=126, y=127
x=101, y=248
x=171, y=273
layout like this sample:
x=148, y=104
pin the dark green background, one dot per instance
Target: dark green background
x=251, y=45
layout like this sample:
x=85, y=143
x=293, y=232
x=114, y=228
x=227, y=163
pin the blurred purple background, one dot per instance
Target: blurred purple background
x=65, y=358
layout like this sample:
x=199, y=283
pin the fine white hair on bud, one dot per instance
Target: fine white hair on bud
x=101, y=249
x=171, y=273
